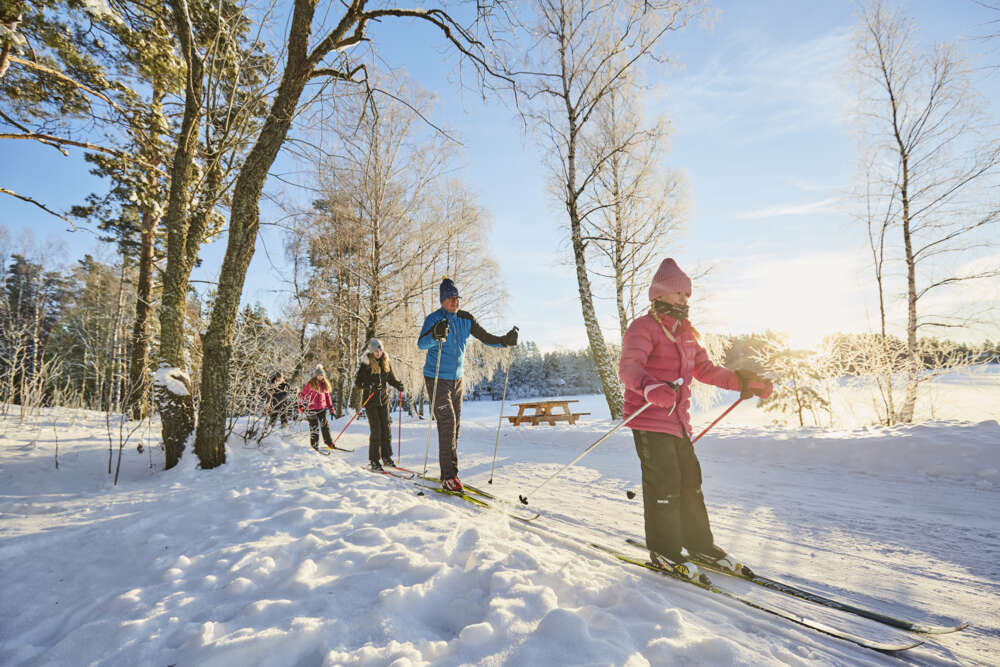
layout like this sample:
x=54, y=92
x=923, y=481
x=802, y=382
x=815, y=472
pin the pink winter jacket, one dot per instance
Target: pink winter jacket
x=650, y=357
x=310, y=399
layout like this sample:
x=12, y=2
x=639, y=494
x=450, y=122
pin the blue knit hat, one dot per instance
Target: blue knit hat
x=448, y=289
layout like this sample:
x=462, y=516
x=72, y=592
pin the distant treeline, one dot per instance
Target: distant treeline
x=568, y=372
x=64, y=340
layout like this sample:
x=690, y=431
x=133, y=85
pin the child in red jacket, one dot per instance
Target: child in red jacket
x=661, y=353
x=314, y=400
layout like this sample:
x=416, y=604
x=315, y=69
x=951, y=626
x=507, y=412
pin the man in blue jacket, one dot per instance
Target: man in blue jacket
x=444, y=335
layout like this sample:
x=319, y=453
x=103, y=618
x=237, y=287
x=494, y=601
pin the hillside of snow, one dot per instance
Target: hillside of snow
x=287, y=557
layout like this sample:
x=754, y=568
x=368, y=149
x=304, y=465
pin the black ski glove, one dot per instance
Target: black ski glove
x=440, y=330
x=510, y=338
x=752, y=384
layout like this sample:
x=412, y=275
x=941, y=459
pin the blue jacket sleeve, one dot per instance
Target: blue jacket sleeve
x=426, y=341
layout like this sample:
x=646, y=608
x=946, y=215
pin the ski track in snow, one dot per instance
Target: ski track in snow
x=284, y=557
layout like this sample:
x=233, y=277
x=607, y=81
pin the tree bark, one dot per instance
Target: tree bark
x=598, y=349
x=138, y=383
x=244, y=221
x=177, y=412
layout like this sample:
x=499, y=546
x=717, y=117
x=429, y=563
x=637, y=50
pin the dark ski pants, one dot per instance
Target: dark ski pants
x=379, y=434
x=447, y=411
x=672, y=503
x=276, y=414
x=317, y=421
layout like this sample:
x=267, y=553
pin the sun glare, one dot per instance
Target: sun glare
x=806, y=298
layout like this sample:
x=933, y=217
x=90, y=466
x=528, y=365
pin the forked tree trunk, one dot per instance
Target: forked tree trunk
x=244, y=221
x=183, y=240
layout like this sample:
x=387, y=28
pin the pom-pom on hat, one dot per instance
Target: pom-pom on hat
x=669, y=278
x=318, y=370
x=374, y=344
x=447, y=289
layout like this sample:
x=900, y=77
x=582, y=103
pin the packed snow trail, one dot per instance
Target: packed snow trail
x=284, y=557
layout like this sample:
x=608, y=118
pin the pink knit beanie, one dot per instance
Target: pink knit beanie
x=669, y=278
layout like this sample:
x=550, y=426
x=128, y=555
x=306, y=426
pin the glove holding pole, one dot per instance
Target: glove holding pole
x=752, y=384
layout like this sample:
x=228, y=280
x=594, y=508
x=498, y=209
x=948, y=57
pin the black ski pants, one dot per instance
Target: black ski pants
x=447, y=410
x=379, y=433
x=672, y=502
x=317, y=421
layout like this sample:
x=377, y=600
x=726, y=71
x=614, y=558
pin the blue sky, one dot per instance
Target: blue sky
x=760, y=108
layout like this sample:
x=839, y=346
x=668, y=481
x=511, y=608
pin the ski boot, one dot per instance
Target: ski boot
x=452, y=484
x=686, y=569
x=720, y=559
x=375, y=466
x=388, y=463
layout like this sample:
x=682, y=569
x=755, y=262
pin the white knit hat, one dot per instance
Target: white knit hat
x=318, y=370
x=374, y=344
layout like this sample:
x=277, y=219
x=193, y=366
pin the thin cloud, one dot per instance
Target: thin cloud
x=828, y=205
x=785, y=88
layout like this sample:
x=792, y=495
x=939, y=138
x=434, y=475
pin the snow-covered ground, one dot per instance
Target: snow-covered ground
x=286, y=557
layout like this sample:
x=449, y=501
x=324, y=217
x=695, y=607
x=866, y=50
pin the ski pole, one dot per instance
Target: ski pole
x=499, y=421
x=399, y=442
x=351, y=419
x=524, y=499
x=717, y=419
x=430, y=417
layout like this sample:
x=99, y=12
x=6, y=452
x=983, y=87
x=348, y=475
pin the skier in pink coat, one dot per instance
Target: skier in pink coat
x=661, y=354
x=314, y=400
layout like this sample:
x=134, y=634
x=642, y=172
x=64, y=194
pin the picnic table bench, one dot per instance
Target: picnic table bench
x=544, y=411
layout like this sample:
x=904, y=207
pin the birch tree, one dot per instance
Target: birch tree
x=583, y=52
x=638, y=205
x=934, y=174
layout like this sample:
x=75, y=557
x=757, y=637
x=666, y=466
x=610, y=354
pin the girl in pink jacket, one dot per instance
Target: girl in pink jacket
x=314, y=400
x=660, y=356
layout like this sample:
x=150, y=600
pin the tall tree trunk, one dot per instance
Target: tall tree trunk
x=115, y=385
x=906, y=410
x=138, y=383
x=137, y=394
x=244, y=221
x=619, y=250
x=598, y=349
x=375, y=298
x=913, y=361
x=177, y=408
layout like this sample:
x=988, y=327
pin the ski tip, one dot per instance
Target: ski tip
x=524, y=501
x=893, y=648
x=938, y=629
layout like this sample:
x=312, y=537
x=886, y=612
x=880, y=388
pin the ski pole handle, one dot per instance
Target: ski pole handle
x=524, y=499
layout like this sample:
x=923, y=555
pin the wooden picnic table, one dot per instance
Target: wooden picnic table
x=545, y=411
